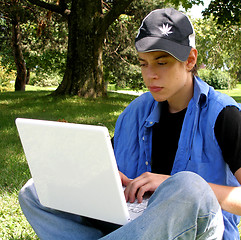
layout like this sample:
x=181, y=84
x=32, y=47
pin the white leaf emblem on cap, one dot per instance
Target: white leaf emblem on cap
x=165, y=29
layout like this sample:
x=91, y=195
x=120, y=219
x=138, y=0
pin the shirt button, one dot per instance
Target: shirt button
x=151, y=122
x=146, y=163
x=143, y=138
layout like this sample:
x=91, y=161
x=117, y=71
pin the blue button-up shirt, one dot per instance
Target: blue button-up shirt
x=198, y=150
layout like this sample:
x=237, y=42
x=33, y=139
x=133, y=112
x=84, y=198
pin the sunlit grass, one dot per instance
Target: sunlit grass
x=234, y=93
x=13, y=224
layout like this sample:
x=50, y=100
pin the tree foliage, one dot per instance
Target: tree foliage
x=216, y=78
x=218, y=47
x=225, y=12
x=41, y=39
x=13, y=13
x=88, y=22
x=121, y=65
x=184, y=3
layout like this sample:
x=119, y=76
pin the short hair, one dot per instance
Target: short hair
x=194, y=70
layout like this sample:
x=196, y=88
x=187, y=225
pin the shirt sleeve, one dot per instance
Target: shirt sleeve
x=228, y=133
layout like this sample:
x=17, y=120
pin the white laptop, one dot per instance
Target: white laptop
x=74, y=169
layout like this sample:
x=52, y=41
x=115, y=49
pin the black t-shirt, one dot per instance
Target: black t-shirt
x=166, y=134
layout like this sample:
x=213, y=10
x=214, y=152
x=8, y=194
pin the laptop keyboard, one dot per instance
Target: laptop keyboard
x=136, y=207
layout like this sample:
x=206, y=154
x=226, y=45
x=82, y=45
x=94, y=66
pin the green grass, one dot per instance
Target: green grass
x=234, y=93
x=14, y=171
x=114, y=87
x=36, y=103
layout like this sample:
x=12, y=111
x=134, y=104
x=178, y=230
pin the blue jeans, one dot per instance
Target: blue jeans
x=182, y=207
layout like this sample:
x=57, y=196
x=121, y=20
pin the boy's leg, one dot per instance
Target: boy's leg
x=50, y=224
x=183, y=207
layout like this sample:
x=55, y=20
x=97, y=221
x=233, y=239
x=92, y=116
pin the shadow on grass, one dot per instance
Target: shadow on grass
x=237, y=98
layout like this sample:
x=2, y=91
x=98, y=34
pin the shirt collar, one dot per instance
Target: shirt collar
x=154, y=115
x=201, y=90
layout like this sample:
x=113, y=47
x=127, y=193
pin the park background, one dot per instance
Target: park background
x=66, y=62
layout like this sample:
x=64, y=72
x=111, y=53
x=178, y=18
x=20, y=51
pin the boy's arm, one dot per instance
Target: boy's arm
x=229, y=197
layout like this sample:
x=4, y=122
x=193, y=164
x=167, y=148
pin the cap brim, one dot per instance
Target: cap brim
x=151, y=44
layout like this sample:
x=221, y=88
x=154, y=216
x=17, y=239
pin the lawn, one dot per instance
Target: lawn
x=36, y=103
x=39, y=105
x=234, y=93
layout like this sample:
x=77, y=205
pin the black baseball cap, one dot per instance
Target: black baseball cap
x=166, y=30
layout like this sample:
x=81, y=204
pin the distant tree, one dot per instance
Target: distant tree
x=13, y=12
x=88, y=21
x=225, y=12
x=218, y=47
x=30, y=39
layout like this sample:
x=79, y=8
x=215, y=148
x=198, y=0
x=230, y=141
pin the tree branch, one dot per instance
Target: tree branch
x=51, y=7
x=118, y=8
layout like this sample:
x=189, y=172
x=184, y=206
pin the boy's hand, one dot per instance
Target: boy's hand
x=124, y=179
x=136, y=188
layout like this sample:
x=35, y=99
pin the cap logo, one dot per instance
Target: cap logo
x=165, y=29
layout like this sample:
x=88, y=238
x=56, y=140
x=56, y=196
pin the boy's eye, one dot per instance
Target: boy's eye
x=142, y=64
x=161, y=63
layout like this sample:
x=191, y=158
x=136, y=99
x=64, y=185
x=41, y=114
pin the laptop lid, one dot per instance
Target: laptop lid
x=74, y=169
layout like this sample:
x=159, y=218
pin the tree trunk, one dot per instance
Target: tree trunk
x=84, y=70
x=28, y=76
x=88, y=24
x=18, y=57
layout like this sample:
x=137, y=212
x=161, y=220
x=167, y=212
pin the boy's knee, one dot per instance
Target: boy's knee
x=189, y=188
x=28, y=192
x=190, y=183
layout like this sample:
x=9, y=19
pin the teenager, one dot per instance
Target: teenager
x=180, y=141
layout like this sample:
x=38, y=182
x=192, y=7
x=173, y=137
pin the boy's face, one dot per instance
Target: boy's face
x=166, y=78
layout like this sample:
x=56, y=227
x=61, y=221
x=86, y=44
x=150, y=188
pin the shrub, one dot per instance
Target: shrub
x=45, y=80
x=127, y=75
x=216, y=78
x=6, y=79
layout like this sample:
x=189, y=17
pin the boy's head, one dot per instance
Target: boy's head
x=166, y=30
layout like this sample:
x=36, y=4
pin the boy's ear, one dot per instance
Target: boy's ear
x=192, y=59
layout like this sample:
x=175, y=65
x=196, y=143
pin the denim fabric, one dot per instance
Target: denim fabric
x=183, y=207
x=198, y=150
